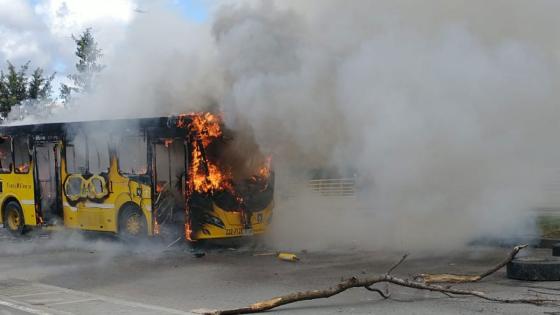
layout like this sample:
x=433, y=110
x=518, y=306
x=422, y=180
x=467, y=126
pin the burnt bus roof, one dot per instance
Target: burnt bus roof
x=154, y=125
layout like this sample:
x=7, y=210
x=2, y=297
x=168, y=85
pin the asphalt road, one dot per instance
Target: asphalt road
x=67, y=274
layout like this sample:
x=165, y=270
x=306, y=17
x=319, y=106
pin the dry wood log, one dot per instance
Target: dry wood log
x=454, y=278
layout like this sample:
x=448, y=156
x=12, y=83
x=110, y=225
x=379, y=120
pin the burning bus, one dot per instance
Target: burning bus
x=134, y=177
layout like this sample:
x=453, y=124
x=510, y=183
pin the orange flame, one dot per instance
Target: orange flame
x=156, y=228
x=181, y=123
x=23, y=168
x=159, y=186
x=264, y=171
x=167, y=142
x=188, y=231
x=207, y=176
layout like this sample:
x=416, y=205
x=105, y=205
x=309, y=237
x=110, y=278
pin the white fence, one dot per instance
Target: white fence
x=335, y=187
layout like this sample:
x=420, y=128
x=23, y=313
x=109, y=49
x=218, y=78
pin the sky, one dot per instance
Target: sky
x=41, y=31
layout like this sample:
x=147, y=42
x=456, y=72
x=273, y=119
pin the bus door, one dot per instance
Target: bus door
x=47, y=180
x=169, y=171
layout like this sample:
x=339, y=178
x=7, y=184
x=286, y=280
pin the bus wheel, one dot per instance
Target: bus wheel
x=132, y=224
x=13, y=218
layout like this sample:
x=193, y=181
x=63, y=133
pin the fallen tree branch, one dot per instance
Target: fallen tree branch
x=387, y=294
x=395, y=266
x=367, y=283
x=384, y=295
x=454, y=278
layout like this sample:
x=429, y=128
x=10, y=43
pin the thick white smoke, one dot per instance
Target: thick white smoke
x=450, y=119
x=447, y=109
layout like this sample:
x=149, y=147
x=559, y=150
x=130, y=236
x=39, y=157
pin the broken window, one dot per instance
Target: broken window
x=98, y=154
x=132, y=155
x=170, y=174
x=76, y=153
x=5, y=155
x=46, y=155
x=170, y=164
x=21, y=155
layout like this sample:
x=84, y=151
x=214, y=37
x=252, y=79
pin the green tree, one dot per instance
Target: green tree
x=17, y=81
x=4, y=96
x=65, y=91
x=16, y=86
x=39, y=86
x=87, y=67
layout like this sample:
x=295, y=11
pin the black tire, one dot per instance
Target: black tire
x=13, y=218
x=534, y=269
x=556, y=250
x=132, y=224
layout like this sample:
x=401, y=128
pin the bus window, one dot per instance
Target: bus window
x=76, y=162
x=162, y=166
x=5, y=155
x=98, y=154
x=21, y=155
x=132, y=155
x=170, y=165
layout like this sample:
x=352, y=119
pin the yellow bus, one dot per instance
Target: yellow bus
x=133, y=177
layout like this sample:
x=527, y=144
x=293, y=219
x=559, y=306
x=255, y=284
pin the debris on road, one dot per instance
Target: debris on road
x=175, y=241
x=453, y=278
x=387, y=278
x=288, y=257
x=534, y=269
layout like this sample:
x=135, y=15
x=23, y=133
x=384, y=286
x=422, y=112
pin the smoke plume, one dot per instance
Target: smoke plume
x=446, y=110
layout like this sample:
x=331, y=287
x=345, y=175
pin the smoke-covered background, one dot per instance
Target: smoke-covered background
x=446, y=110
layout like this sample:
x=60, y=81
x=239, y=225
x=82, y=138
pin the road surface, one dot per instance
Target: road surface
x=66, y=273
